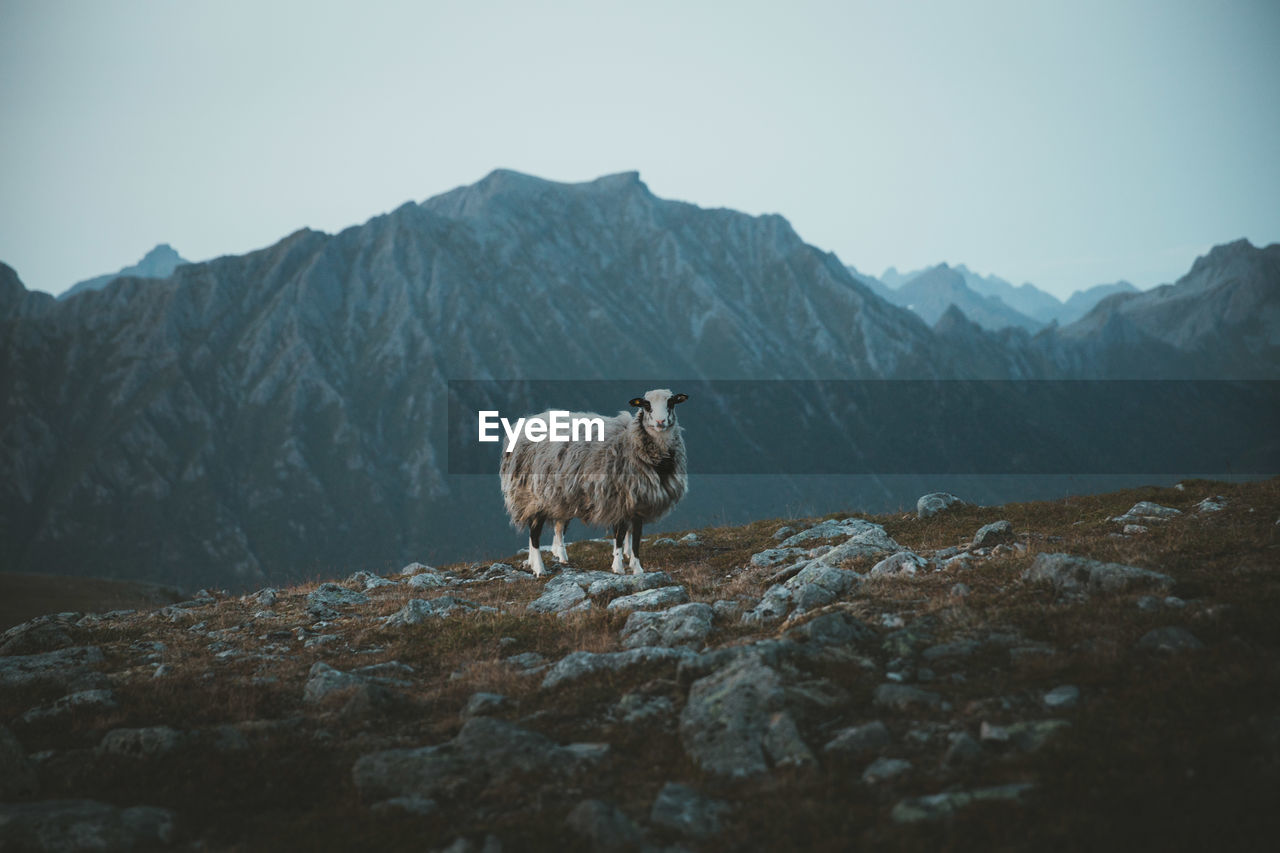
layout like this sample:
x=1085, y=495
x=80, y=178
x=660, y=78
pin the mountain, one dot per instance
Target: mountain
x=160, y=262
x=1082, y=301
x=286, y=413
x=1026, y=298
x=931, y=292
x=875, y=285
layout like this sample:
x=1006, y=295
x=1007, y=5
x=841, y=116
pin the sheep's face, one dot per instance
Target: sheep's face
x=658, y=409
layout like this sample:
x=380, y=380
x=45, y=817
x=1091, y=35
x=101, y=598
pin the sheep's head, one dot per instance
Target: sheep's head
x=658, y=409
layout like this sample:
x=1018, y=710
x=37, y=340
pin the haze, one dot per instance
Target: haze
x=1065, y=144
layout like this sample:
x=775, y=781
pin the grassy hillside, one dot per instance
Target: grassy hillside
x=1165, y=747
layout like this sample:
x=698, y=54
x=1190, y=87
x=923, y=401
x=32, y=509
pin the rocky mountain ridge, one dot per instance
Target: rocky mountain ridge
x=160, y=262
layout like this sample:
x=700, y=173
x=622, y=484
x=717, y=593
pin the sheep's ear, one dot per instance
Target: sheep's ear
x=637, y=402
x=679, y=398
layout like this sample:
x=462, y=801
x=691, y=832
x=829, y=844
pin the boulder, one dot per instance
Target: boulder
x=578, y=665
x=775, y=556
x=735, y=722
x=42, y=634
x=1170, y=638
x=326, y=600
x=1081, y=575
x=148, y=742
x=902, y=697
x=418, y=610
x=682, y=810
x=603, y=827
x=931, y=504
x=884, y=769
x=995, y=533
x=683, y=625
x=859, y=740
x=903, y=563
x=66, y=825
x=61, y=666
x=939, y=806
x=83, y=700
x=650, y=599
x=1148, y=511
x=557, y=597
x=834, y=627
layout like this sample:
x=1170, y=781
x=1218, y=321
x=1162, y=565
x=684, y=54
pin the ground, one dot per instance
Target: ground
x=1165, y=747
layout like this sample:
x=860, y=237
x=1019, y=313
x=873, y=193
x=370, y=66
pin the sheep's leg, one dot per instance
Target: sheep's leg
x=633, y=543
x=557, y=544
x=535, y=555
x=620, y=533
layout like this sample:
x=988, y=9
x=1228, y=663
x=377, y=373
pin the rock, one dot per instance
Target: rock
x=690, y=539
x=67, y=825
x=415, y=569
x=859, y=740
x=1070, y=574
x=774, y=556
x=1217, y=503
x=1148, y=511
x=484, y=705
x=487, y=753
x=958, y=649
x=368, y=580
x=683, y=625
x=557, y=597
x=963, y=749
x=725, y=609
x=1170, y=638
x=931, y=504
x=1062, y=698
x=1033, y=734
x=426, y=579
x=16, y=774
x=326, y=600
x=528, y=661
x=1134, y=529
x=323, y=682
x=578, y=665
x=818, y=584
x=418, y=610
x=84, y=700
x=883, y=769
x=783, y=532
x=650, y=599
x=903, y=563
x=603, y=827
x=665, y=540
x=940, y=806
x=61, y=666
x=870, y=541
x=148, y=742
x=636, y=708
x=683, y=810
x=992, y=534
x=735, y=722
x=607, y=583
x=841, y=528
x=903, y=697
x=834, y=627
x=960, y=590
x=42, y=634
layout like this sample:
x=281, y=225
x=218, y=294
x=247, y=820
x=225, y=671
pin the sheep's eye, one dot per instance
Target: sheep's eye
x=648, y=407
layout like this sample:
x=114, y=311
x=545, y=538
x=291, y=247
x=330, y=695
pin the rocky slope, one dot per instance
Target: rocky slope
x=932, y=292
x=1096, y=672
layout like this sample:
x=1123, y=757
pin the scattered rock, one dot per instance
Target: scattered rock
x=527, y=661
x=603, y=826
x=868, y=540
x=326, y=600
x=1081, y=575
x=903, y=697
x=883, y=769
x=783, y=532
x=1148, y=511
x=324, y=682
x=814, y=586
x=690, y=539
x=484, y=705
x=1062, y=698
x=636, y=708
x=993, y=534
x=1135, y=529
x=958, y=649
x=61, y=666
x=859, y=740
x=368, y=580
x=735, y=723
x=774, y=556
x=146, y=742
x=963, y=749
x=1170, y=638
x=940, y=806
x=560, y=595
x=834, y=627
x=487, y=753
x=419, y=610
x=1217, y=503
x=903, y=563
x=577, y=665
x=725, y=609
x=650, y=599
x=42, y=634
x=931, y=504
x=84, y=700
x=66, y=825
x=426, y=579
x=1033, y=734
x=683, y=810
x=683, y=625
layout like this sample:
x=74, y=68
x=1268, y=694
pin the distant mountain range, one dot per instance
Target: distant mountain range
x=989, y=300
x=281, y=414
x=160, y=262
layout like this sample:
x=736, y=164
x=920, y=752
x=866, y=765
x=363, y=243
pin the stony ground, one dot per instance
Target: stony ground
x=1095, y=672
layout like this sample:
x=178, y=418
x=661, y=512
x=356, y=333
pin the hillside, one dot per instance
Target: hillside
x=972, y=679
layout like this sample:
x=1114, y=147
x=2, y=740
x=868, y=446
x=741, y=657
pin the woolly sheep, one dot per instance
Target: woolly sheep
x=635, y=475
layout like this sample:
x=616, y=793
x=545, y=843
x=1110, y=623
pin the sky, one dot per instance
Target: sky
x=1062, y=143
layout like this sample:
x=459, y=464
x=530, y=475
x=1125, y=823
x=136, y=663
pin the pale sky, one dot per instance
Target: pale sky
x=1062, y=143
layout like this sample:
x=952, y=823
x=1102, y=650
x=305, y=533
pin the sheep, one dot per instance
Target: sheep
x=635, y=475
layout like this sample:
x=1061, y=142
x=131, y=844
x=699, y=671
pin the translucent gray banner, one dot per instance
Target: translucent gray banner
x=915, y=427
